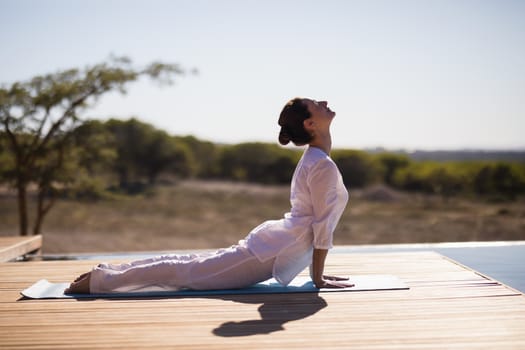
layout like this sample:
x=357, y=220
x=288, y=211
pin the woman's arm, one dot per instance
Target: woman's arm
x=317, y=269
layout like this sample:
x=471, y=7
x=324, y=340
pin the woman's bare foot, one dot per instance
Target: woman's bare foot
x=81, y=276
x=80, y=285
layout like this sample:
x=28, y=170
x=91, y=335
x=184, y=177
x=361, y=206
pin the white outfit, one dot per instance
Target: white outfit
x=279, y=248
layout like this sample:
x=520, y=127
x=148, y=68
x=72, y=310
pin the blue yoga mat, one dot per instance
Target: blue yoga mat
x=44, y=289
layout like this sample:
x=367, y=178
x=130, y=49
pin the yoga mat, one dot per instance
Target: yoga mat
x=44, y=289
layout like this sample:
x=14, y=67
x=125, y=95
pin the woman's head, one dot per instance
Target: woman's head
x=303, y=119
x=291, y=120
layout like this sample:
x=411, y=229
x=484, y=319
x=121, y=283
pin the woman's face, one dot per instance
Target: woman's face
x=320, y=113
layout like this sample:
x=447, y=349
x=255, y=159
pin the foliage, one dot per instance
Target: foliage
x=6, y=159
x=203, y=157
x=257, y=162
x=37, y=117
x=145, y=152
x=357, y=167
x=430, y=177
x=389, y=164
x=95, y=145
x=487, y=179
x=506, y=180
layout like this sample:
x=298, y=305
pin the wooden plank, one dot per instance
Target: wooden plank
x=447, y=306
x=17, y=246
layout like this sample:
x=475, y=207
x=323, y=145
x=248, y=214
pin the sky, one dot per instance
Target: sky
x=405, y=74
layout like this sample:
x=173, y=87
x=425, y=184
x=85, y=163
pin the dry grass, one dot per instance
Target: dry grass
x=195, y=215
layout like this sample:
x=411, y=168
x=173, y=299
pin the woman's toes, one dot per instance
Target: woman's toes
x=80, y=286
x=81, y=276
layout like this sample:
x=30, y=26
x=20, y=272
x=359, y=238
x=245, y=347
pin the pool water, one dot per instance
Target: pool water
x=502, y=261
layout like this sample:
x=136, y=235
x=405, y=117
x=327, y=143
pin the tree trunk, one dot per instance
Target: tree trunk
x=39, y=213
x=42, y=207
x=22, y=207
x=123, y=179
x=152, y=178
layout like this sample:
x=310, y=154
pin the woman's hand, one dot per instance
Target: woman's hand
x=321, y=280
x=335, y=278
x=333, y=282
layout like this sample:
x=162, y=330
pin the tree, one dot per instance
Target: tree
x=37, y=117
x=506, y=180
x=162, y=153
x=145, y=152
x=257, y=162
x=444, y=180
x=95, y=147
x=390, y=163
x=130, y=137
x=92, y=157
x=204, y=157
x=6, y=158
x=357, y=167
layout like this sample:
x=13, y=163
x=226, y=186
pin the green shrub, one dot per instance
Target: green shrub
x=358, y=168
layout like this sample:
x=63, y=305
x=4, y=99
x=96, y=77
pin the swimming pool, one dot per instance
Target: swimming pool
x=502, y=261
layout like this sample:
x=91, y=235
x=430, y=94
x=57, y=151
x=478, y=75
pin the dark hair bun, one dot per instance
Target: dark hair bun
x=284, y=137
x=291, y=120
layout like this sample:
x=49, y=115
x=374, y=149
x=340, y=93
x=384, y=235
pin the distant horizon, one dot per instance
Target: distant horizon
x=335, y=144
x=364, y=148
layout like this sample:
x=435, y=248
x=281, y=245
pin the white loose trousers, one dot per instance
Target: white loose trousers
x=230, y=268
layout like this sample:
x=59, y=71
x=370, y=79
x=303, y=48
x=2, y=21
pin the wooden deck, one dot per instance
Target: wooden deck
x=447, y=307
x=17, y=246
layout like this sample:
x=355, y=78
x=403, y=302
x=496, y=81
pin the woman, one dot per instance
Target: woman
x=279, y=248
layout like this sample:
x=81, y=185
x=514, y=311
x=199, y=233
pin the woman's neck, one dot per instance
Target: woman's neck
x=323, y=142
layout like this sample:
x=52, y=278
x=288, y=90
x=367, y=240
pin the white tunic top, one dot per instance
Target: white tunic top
x=318, y=198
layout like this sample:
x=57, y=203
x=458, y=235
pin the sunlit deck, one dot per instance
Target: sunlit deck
x=448, y=306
